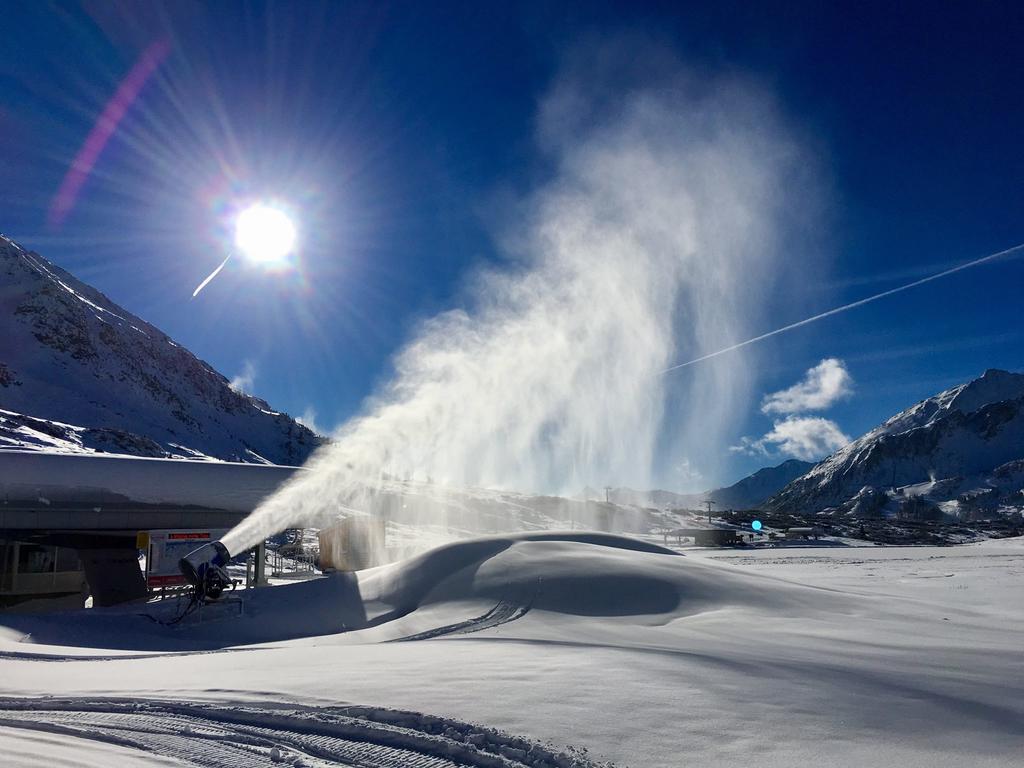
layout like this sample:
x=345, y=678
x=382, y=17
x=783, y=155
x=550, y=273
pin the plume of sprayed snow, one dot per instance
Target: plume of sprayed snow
x=656, y=237
x=243, y=382
x=308, y=419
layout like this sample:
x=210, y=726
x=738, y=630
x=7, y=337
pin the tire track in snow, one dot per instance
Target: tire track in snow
x=220, y=735
x=502, y=613
x=63, y=658
x=505, y=611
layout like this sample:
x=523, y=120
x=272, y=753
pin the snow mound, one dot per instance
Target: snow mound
x=537, y=580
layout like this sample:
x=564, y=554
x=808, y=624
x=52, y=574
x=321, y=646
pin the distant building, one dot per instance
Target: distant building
x=803, y=533
x=709, y=537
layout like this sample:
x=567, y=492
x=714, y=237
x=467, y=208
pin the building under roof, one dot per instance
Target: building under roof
x=69, y=523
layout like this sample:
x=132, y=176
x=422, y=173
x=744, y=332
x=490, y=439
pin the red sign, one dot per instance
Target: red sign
x=166, y=548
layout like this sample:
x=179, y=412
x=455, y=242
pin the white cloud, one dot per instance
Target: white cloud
x=243, y=381
x=822, y=385
x=807, y=437
x=801, y=437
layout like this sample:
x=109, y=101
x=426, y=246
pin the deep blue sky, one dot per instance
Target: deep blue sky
x=398, y=128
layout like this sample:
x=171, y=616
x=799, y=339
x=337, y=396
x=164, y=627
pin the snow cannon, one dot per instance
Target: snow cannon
x=205, y=569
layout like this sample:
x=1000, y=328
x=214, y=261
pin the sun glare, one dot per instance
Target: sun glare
x=264, y=234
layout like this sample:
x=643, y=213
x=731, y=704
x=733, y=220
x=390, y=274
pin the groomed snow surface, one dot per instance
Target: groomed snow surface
x=544, y=650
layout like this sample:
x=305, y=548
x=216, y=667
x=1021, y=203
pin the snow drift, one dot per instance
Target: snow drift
x=861, y=656
x=583, y=575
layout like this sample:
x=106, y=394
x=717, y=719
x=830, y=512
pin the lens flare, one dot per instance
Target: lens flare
x=104, y=128
x=265, y=234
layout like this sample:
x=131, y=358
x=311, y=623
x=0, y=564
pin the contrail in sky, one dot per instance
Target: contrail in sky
x=845, y=307
x=212, y=275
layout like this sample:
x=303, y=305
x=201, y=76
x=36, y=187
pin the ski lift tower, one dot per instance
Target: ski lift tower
x=710, y=504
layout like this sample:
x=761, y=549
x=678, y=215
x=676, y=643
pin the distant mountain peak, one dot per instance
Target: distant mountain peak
x=754, y=489
x=746, y=493
x=994, y=385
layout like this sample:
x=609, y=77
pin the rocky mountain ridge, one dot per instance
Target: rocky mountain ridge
x=940, y=457
x=80, y=373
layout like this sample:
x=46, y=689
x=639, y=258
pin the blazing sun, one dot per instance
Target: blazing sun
x=264, y=234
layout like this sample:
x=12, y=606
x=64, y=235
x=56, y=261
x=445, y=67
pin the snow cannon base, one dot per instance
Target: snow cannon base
x=205, y=570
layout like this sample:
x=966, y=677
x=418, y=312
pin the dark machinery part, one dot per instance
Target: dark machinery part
x=205, y=569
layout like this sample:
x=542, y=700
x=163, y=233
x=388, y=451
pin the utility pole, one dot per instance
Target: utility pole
x=608, y=494
x=709, y=502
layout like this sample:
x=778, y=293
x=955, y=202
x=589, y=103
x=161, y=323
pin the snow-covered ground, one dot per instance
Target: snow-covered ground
x=788, y=656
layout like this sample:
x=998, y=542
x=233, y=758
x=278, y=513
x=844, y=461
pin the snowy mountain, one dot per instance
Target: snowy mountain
x=947, y=455
x=755, y=489
x=78, y=373
x=631, y=497
x=747, y=493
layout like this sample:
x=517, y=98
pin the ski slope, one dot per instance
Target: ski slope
x=528, y=649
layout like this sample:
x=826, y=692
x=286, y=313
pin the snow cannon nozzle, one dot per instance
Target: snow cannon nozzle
x=205, y=569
